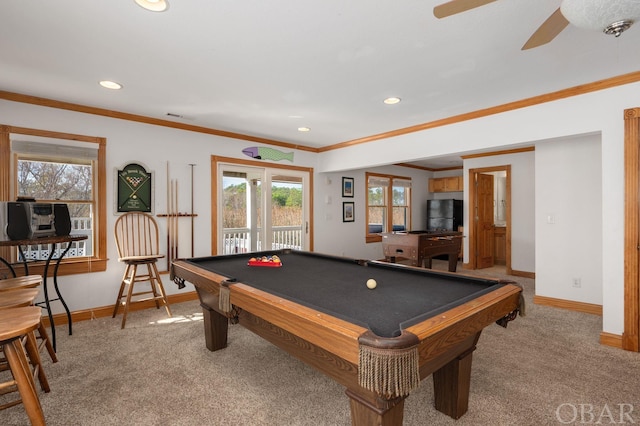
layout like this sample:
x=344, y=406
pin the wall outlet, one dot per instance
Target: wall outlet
x=577, y=282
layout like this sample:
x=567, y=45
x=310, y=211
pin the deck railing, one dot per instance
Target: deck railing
x=79, y=226
x=238, y=240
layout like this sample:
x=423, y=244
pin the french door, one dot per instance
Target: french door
x=259, y=208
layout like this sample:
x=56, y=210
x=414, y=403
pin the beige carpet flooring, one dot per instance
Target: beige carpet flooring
x=544, y=369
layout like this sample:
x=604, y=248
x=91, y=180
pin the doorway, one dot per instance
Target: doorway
x=259, y=206
x=490, y=218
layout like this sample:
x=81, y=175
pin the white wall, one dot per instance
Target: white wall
x=592, y=113
x=598, y=112
x=568, y=210
x=153, y=146
x=348, y=239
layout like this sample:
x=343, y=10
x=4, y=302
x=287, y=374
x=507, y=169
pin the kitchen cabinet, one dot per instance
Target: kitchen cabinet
x=446, y=184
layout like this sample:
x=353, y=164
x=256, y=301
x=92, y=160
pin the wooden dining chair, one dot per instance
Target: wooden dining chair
x=137, y=241
x=26, y=281
x=11, y=288
x=18, y=299
x=15, y=324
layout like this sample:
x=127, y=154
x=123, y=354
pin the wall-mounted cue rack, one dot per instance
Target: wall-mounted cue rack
x=172, y=235
x=172, y=215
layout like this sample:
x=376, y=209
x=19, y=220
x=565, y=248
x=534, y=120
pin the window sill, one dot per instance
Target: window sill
x=373, y=238
x=73, y=266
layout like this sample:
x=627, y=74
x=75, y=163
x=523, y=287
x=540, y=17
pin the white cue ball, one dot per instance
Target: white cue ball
x=371, y=283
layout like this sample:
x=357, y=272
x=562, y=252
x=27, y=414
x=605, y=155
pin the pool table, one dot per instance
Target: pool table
x=379, y=343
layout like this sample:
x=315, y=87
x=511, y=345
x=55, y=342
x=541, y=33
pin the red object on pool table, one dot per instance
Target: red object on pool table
x=378, y=344
x=268, y=261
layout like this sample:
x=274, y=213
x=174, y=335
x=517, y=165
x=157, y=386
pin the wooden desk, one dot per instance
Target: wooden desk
x=53, y=241
x=420, y=246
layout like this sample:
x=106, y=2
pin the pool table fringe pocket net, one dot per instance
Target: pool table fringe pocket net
x=520, y=310
x=388, y=372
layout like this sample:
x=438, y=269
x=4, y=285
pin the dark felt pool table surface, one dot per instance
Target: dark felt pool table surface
x=337, y=286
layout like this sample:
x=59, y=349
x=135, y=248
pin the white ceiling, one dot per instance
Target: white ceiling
x=265, y=68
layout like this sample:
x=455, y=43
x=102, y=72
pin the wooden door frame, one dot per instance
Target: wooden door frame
x=471, y=214
x=630, y=339
x=215, y=159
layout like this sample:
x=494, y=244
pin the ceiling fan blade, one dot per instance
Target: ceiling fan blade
x=547, y=31
x=457, y=6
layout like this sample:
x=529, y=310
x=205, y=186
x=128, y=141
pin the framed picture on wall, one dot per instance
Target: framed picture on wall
x=135, y=189
x=347, y=187
x=348, y=211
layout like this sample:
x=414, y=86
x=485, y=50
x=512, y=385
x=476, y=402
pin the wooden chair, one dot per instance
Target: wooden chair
x=27, y=281
x=137, y=240
x=25, y=296
x=15, y=323
x=18, y=298
x=8, y=289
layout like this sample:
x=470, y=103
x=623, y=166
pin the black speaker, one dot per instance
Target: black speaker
x=62, y=220
x=17, y=221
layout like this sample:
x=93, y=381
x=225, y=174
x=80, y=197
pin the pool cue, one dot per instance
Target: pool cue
x=171, y=218
x=192, y=218
x=175, y=222
x=168, y=218
x=170, y=223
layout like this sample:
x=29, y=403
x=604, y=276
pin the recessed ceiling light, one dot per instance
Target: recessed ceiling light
x=110, y=84
x=391, y=101
x=304, y=129
x=153, y=5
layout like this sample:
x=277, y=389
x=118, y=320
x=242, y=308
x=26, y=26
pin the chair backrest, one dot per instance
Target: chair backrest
x=136, y=235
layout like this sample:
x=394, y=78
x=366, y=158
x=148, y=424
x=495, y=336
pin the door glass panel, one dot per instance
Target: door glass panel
x=241, y=218
x=287, y=215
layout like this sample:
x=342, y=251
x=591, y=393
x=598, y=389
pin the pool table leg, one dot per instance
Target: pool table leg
x=382, y=412
x=451, y=384
x=216, y=327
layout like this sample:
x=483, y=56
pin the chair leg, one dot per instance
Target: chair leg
x=152, y=274
x=34, y=356
x=121, y=291
x=132, y=278
x=163, y=294
x=42, y=332
x=19, y=365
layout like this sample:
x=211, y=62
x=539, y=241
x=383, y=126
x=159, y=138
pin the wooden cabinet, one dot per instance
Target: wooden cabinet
x=500, y=245
x=446, y=184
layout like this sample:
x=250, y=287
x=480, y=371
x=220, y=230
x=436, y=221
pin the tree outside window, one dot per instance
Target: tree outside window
x=61, y=182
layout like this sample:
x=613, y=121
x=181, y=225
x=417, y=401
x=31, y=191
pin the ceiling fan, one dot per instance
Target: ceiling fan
x=610, y=16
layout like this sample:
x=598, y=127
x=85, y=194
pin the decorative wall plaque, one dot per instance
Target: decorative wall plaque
x=134, y=189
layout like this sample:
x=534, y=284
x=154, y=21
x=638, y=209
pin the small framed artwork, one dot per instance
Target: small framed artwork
x=347, y=187
x=348, y=211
